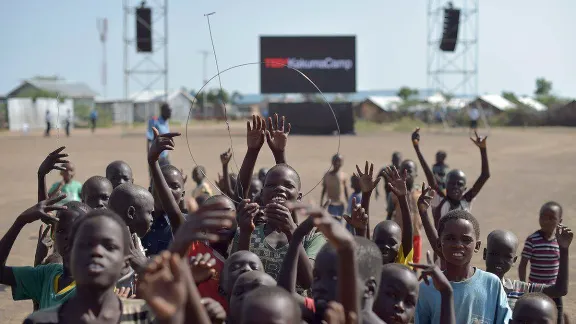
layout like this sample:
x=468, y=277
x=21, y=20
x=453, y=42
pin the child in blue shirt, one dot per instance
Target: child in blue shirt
x=479, y=296
x=357, y=194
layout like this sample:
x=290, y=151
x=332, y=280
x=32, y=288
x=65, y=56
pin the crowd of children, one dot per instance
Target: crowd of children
x=249, y=251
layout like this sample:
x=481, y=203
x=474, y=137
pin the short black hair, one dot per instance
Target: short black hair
x=168, y=168
x=459, y=214
x=396, y=266
x=269, y=292
x=115, y=164
x=537, y=296
x=369, y=259
x=103, y=213
x=199, y=169
x=337, y=156
x=77, y=207
x=284, y=165
x=126, y=194
x=92, y=180
x=551, y=204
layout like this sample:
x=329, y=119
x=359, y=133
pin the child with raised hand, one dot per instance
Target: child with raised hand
x=395, y=162
x=455, y=196
x=500, y=255
x=46, y=285
x=226, y=184
x=119, y=172
x=358, y=219
x=67, y=186
x=480, y=296
x=202, y=186
x=535, y=308
x=96, y=192
x=440, y=169
x=168, y=191
x=54, y=161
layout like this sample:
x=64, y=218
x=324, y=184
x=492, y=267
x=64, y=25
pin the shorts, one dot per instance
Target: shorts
x=336, y=210
x=473, y=124
x=417, y=248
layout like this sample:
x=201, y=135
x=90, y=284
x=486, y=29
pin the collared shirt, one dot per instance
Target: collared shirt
x=162, y=126
x=159, y=237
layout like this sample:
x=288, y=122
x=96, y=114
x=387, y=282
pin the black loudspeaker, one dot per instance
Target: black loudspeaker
x=450, y=33
x=144, y=30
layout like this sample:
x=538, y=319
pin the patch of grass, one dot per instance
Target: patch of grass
x=406, y=124
x=366, y=126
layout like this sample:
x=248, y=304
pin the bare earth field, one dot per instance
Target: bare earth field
x=528, y=167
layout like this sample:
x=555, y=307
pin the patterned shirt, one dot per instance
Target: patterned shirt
x=134, y=311
x=516, y=288
x=544, y=257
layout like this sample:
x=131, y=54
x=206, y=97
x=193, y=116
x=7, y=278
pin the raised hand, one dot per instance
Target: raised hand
x=359, y=218
x=255, y=133
x=225, y=157
x=479, y=141
x=163, y=285
x=125, y=292
x=277, y=133
x=416, y=136
x=396, y=183
x=431, y=270
x=425, y=198
x=202, y=267
x=206, y=222
x=334, y=232
x=215, y=311
x=247, y=212
x=367, y=181
x=161, y=143
x=40, y=211
x=564, y=236
x=53, y=161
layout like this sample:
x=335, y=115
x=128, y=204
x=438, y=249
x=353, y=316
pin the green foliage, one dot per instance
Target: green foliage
x=407, y=93
x=34, y=93
x=510, y=96
x=543, y=87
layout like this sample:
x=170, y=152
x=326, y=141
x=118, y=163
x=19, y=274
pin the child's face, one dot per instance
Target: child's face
x=69, y=173
x=270, y=311
x=97, y=194
x=197, y=175
x=245, y=284
x=226, y=233
x=238, y=264
x=140, y=216
x=500, y=253
x=440, y=157
x=255, y=188
x=396, y=159
x=455, y=185
x=534, y=311
x=388, y=237
x=175, y=183
x=325, y=278
x=409, y=167
x=119, y=174
x=98, y=257
x=549, y=219
x=62, y=234
x=337, y=162
x=281, y=185
x=458, y=242
x=397, y=296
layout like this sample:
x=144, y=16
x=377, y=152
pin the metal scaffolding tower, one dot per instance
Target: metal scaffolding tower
x=454, y=73
x=146, y=70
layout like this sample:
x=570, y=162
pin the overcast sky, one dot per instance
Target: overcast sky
x=520, y=40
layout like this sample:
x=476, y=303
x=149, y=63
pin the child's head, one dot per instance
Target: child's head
x=227, y=233
x=100, y=249
x=325, y=272
x=245, y=283
x=238, y=263
x=135, y=205
x=63, y=228
x=119, y=172
x=175, y=182
x=388, y=237
x=96, y=192
x=459, y=237
x=455, y=185
x=198, y=174
x=409, y=167
x=441, y=157
x=262, y=174
x=550, y=217
x=396, y=159
x=270, y=305
x=337, y=161
x=535, y=308
x=69, y=172
x=500, y=252
x=165, y=111
x=282, y=184
x=355, y=183
x=398, y=294
x=255, y=188
x=201, y=199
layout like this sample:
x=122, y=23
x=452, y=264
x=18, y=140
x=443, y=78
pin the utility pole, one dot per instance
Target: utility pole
x=102, y=25
x=204, y=81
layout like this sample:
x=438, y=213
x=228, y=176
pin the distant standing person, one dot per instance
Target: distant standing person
x=93, y=119
x=68, y=122
x=474, y=115
x=48, y=123
x=161, y=124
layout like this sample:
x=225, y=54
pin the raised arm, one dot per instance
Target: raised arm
x=171, y=208
x=485, y=174
x=367, y=184
x=51, y=162
x=277, y=137
x=289, y=271
x=560, y=288
x=423, y=204
x=397, y=185
x=255, y=140
x=225, y=160
x=427, y=171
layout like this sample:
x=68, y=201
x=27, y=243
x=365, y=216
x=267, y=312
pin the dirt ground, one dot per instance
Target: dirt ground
x=528, y=168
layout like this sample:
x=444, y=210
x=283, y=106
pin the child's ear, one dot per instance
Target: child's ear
x=484, y=255
x=478, y=245
x=299, y=197
x=131, y=212
x=370, y=289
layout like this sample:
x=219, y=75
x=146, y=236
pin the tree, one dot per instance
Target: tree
x=236, y=96
x=543, y=87
x=406, y=93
